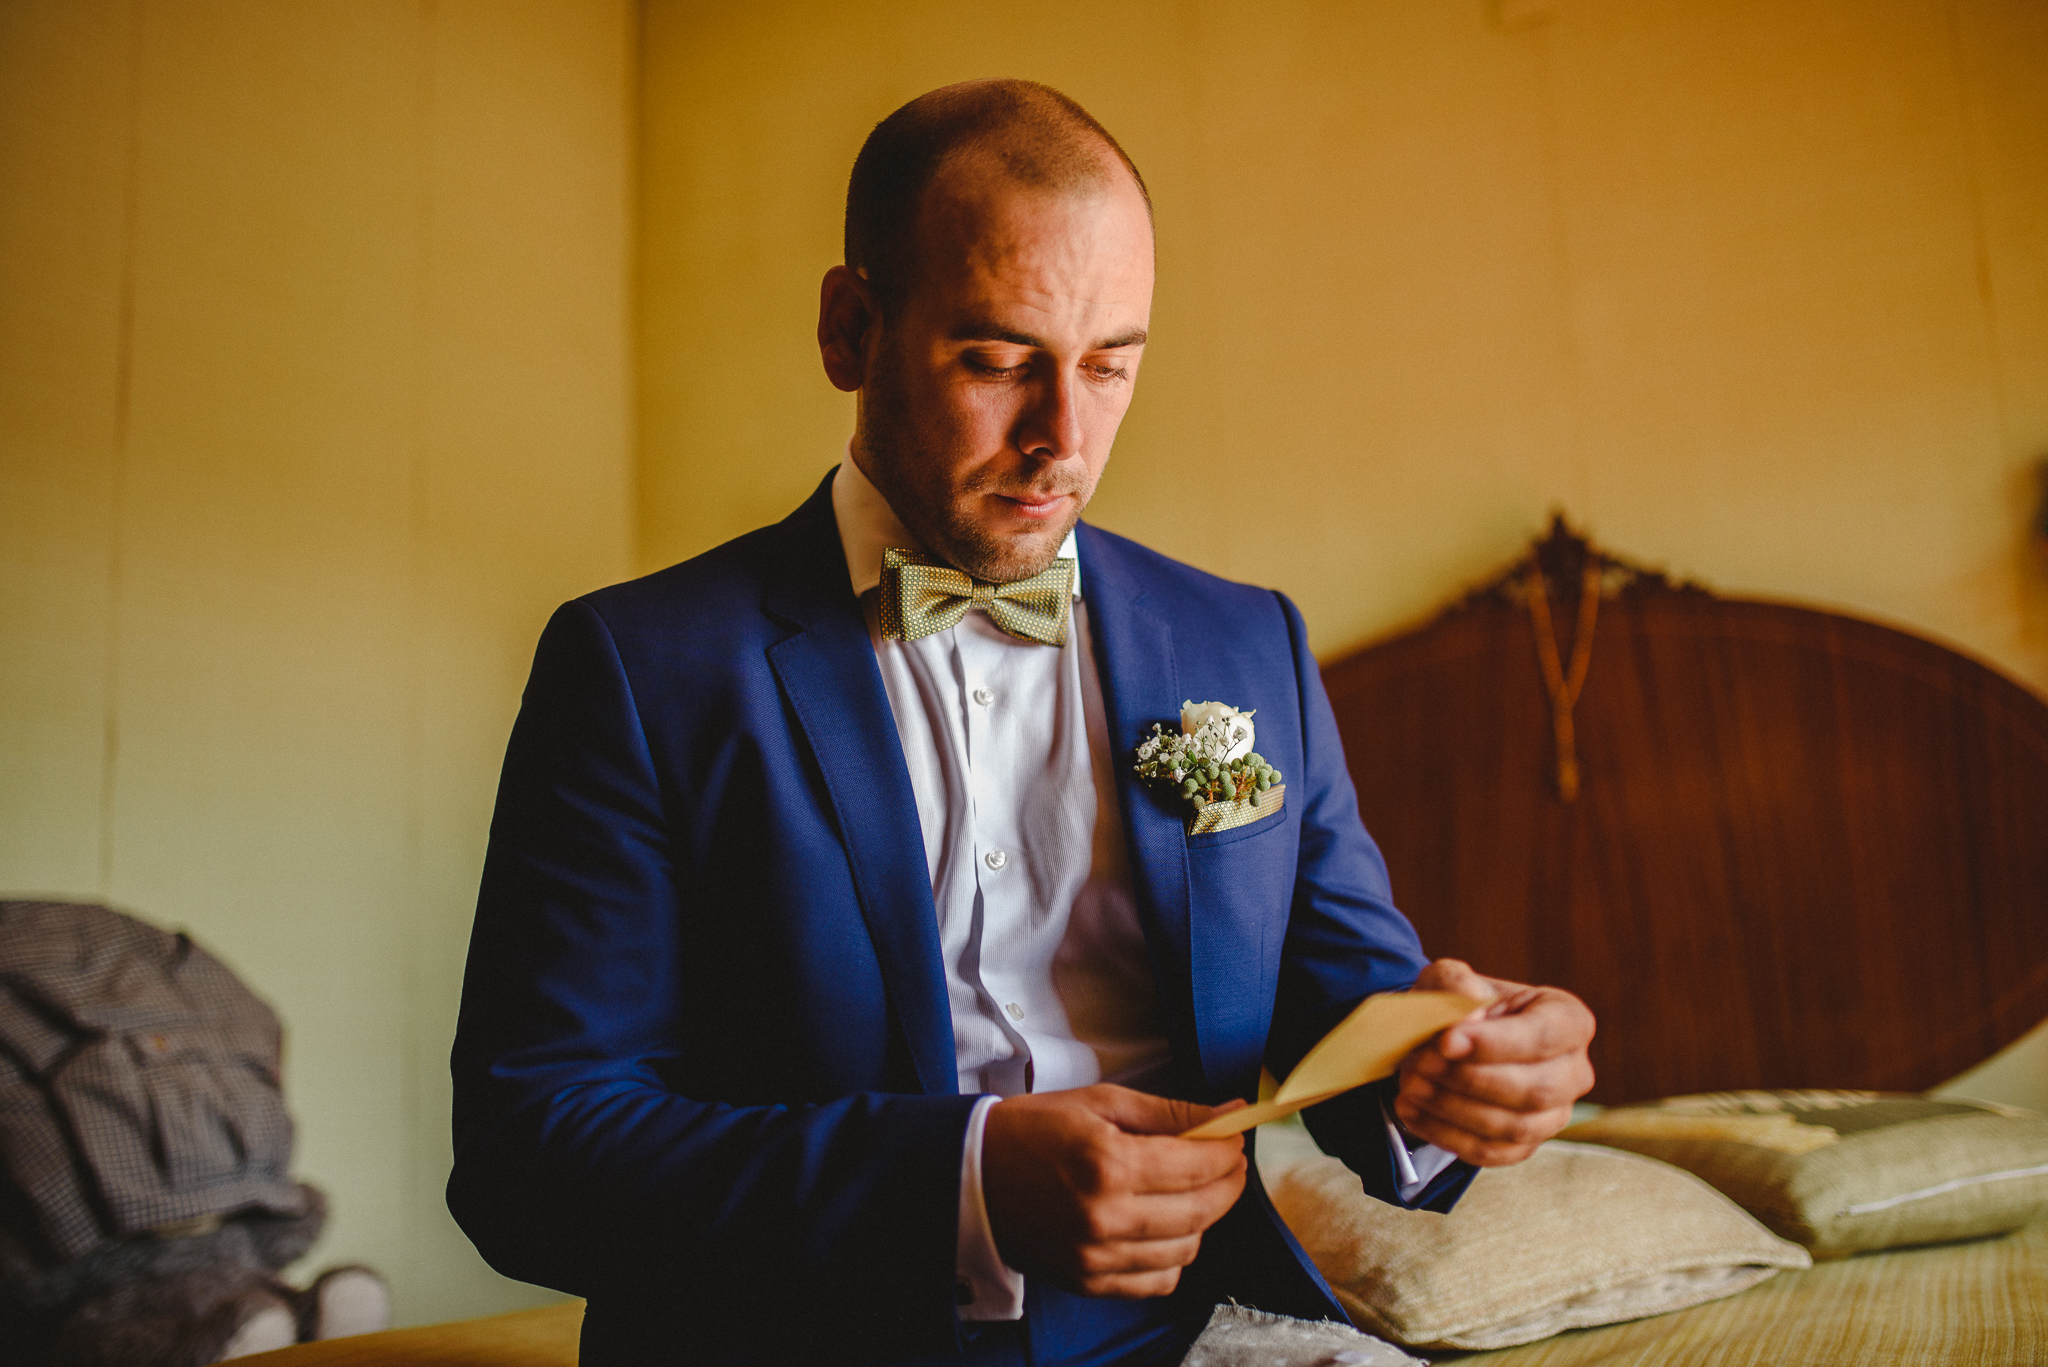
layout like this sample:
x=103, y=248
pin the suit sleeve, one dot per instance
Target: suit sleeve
x=576, y=1164
x=1345, y=941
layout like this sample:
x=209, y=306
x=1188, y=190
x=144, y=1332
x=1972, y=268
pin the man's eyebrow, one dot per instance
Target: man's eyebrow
x=981, y=330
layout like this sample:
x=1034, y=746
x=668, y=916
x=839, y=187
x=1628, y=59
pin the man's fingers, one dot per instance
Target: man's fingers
x=1498, y=1083
x=1136, y=1256
x=1473, y=1148
x=1455, y=975
x=1076, y=1196
x=1486, y=1135
x=1516, y=1086
x=1527, y=1026
x=1479, y=1119
x=1172, y=1216
x=1142, y=1113
x=1148, y=1155
x=1162, y=1165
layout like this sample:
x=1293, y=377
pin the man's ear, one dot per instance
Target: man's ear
x=847, y=316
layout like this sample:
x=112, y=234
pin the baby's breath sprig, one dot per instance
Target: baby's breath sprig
x=1196, y=766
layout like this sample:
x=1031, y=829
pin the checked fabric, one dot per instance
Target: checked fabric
x=138, y=1085
x=921, y=595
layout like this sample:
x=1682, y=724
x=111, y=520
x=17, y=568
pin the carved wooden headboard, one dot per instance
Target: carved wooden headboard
x=1804, y=850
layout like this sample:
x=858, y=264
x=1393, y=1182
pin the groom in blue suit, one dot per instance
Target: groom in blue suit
x=837, y=992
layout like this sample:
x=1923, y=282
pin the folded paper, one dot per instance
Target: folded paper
x=1366, y=1046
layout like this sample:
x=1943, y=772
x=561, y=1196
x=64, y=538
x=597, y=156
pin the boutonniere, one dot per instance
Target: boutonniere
x=1211, y=767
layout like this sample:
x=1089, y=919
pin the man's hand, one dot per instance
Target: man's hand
x=1090, y=1190
x=1503, y=1080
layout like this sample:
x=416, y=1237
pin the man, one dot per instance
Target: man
x=836, y=992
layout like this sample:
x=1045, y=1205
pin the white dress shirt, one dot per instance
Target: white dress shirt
x=1012, y=767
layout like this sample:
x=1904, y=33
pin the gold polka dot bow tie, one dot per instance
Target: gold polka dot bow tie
x=921, y=595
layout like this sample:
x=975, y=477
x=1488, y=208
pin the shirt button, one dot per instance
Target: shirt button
x=1016, y=1011
x=995, y=859
x=984, y=696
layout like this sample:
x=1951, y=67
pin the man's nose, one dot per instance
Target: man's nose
x=1050, y=427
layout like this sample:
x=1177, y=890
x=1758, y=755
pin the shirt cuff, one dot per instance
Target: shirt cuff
x=1414, y=1169
x=984, y=1286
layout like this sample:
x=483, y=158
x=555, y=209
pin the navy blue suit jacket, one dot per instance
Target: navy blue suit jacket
x=704, y=1071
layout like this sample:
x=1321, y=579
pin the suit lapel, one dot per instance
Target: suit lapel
x=1140, y=685
x=827, y=671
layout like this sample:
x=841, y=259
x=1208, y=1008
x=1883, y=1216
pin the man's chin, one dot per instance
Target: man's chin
x=1004, y=559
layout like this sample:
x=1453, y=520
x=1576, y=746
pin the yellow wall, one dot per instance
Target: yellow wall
x=314, y=399
x=1756, y=289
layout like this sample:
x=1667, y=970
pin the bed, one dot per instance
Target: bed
x=1773, y=847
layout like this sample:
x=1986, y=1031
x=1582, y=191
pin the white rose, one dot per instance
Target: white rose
x=1230, y=721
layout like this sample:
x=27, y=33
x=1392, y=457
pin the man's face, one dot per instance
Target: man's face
x=993, y=393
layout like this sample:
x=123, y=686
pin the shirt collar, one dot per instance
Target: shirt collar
x=868, y=526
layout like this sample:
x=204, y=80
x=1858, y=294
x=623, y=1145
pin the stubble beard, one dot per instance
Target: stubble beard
x=904, y=462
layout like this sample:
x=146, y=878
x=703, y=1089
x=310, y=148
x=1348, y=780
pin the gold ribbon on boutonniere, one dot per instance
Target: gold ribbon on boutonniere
x=1230, y=813
x=1211, y=767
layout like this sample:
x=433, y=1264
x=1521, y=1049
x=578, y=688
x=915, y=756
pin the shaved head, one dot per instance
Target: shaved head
x=1018, y=131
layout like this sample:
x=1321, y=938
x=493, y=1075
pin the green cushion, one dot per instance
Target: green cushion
x=1842, y=1172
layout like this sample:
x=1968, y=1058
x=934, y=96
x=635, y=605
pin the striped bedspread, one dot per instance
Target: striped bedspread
x=1982, y=1304
x=1979, y=1304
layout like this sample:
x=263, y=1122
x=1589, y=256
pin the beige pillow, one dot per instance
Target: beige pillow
x=1576, y=1236
x=1842, y=1172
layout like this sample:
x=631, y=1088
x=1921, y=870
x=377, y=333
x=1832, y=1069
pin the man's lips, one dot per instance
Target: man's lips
x=1034, y=506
